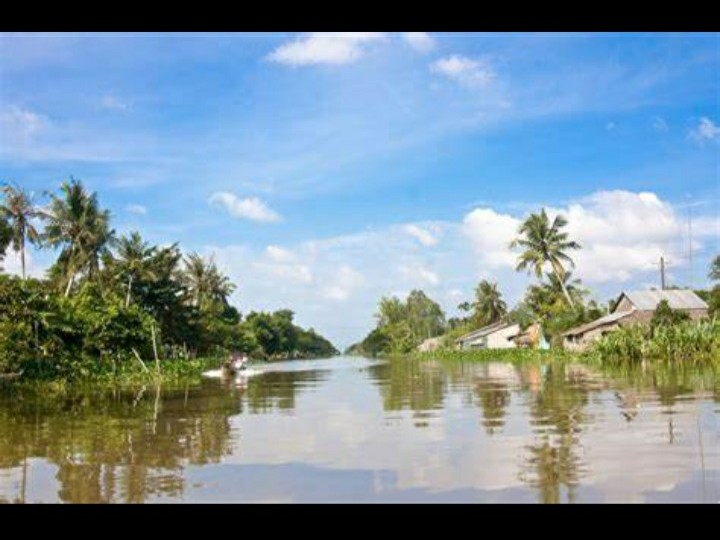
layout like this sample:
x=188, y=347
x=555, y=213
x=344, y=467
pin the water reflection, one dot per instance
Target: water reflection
x=351, y=430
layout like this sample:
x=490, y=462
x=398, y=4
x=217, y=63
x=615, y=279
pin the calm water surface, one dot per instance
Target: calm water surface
x=350, y=429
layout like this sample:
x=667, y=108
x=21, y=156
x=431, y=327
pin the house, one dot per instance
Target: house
x=431, y=344
x=499, y=335
x=532, y=338
x=631, y=308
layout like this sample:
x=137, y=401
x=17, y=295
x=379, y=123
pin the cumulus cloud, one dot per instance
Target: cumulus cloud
x=490, y=234
x=343, y=284
x=113, y=103
x=12, y=264
x=464, y=70
x=251, y=208
x=20, y=123
x=284, y=264
x=621, y=233
x=425, y=237
x=420, y=41
x=138, y=209
x=419, y=275
x=334, y=48
x=706, y=130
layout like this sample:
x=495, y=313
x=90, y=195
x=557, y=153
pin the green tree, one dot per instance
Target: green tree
x=133, y=261
x=5, y=239
x=489, y=307
x=664, y=315
x=80, y=228
x=206, y=285
x=715, y=269
x=19, y=210
x=543, y=243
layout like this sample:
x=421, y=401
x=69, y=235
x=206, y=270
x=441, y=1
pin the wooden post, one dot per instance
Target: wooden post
x=155, y=351
x=140, y=360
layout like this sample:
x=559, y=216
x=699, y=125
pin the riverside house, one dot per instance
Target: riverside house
x=631, y=308
x=498, y=335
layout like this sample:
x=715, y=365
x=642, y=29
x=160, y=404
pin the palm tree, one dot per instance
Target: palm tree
x=19, y=210
x=204, y=282
x=5, y=239
x=78, y=226
x=543, y=243
x=573, y=287
x=133, y=259
x=489, y=306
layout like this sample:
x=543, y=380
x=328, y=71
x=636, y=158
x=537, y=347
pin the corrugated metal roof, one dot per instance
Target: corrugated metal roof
x=677, y=298
x=602, y=321
x=484, y=331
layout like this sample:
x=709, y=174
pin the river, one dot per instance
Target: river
x=357, y=430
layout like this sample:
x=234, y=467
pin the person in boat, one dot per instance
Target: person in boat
x=234, y=363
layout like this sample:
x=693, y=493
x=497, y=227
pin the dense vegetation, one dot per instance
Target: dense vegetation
x=671, y=336
x=110, y=303
x=557, y=302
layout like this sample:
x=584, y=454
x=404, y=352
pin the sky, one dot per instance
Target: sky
x=322, y=171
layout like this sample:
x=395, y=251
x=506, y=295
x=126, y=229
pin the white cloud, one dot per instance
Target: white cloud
x=138, y=209
x=464, y=70
x=12, y=264
x=425, y=237
x=622, y=233
x=420, y=275
x=420, y=41
x=113, y=103
x=706, y=130
x=610, y=126
x=251, y=208
x=343, y=284
x=490, y=234
x=333, y=48
x=660, y=125
x=20, y=123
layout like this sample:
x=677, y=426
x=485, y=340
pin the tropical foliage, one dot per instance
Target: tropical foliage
x=108, y=303
x=545, y=243
x=17, y=212
x=402, y=325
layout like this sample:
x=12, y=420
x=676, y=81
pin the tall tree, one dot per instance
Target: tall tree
x=545, y=243
x=133, y=261
x=18, y=209
x=205, y=283
x=5, y=239
x=78, y=226
x=489, y=307
x=715, y=269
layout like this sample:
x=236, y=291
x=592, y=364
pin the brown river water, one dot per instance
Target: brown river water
x=356, y=430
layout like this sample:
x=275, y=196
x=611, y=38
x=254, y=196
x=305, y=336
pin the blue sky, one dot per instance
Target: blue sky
x=325, y=170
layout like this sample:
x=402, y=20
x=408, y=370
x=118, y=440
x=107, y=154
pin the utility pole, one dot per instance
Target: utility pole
x=662, y=273
x=690, y=260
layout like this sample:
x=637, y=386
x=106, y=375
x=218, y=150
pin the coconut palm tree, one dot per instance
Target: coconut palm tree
x=573, y=287
x=544, y=242
x=18, y=209
x=205, y=283
x=134, y=257
x=78, y=226
x=5, y=239
x=489, y=306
